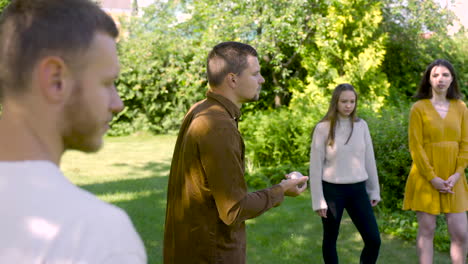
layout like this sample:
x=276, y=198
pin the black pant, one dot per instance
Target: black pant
x=353, y=198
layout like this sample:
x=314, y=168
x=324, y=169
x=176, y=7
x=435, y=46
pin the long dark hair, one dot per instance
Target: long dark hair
x=332, y=113
x=425, y=89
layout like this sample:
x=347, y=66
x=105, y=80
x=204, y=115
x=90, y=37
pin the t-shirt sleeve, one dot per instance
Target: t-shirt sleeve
x=221, y=156
x=119, y=240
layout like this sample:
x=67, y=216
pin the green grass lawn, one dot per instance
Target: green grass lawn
x=131, y=172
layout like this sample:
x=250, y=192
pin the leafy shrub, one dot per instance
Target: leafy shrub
x=278, y=141
x=404, y=224
x=389, y=131
x=3, y=4
x=163, y=56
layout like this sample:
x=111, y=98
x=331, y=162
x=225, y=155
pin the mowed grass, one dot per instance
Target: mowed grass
x=132, y=172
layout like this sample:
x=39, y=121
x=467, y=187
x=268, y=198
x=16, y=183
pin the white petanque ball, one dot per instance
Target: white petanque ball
x=296, y=175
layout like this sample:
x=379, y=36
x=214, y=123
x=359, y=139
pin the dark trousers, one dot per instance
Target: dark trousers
x=353, y=198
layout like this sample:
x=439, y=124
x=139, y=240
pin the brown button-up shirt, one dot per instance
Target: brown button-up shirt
x=207, y=200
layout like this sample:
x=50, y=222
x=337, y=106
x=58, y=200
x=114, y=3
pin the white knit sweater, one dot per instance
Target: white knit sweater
x=340, y=163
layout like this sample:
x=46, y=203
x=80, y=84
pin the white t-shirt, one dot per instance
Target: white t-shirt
x=45, y=219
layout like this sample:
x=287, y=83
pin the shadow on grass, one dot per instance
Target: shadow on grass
x=290, y=233
x=143, y=196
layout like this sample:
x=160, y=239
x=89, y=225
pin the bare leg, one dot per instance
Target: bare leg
x=458, y=229
x=425, y=238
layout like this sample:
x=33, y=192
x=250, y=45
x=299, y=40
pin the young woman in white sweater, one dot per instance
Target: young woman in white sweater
x=343, y=175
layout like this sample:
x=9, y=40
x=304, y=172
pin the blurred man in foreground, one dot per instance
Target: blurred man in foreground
x=57, y=71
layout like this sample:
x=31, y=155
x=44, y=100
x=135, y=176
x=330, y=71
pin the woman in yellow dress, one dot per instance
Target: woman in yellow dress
x=438, y=141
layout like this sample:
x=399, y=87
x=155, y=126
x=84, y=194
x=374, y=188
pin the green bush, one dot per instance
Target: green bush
x=278, y=141
x=389, y=131
x=3, y=4
x=404, y=224
x=163, y=56
x=361, y=42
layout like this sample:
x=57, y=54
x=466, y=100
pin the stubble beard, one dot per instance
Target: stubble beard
x=256, y=97
x=80, y=131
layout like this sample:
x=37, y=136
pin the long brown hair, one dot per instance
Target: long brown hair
x=332, y=113
x=425, y=88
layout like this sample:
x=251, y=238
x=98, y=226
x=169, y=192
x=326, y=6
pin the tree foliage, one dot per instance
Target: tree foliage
x=418, y=35
x=162, y=71
x=349, y=47
x=3, y=4
x=302, y=43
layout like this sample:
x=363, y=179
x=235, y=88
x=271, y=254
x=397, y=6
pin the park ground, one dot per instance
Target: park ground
x=132, y=172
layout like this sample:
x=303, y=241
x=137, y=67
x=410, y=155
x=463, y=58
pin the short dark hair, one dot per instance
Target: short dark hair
x=232, y=57
x=425, y=89
x=32, y=29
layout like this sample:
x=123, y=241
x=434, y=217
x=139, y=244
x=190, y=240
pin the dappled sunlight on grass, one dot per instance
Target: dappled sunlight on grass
x=292, y=233
x=132, y=173
x=308, y=227
x=124, y=196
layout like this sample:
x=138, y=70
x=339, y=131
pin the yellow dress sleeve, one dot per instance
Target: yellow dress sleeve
x=462, y=160
x=416, y=143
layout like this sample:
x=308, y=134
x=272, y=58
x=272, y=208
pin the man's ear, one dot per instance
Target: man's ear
x=231, y=79
x=52, y=74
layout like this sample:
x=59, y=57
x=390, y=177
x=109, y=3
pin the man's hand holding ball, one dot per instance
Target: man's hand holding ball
x=294, y=184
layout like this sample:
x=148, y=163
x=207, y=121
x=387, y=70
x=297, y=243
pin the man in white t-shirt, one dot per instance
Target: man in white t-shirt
x=57, y=71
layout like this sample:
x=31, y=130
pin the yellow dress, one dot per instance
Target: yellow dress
x=439, y=147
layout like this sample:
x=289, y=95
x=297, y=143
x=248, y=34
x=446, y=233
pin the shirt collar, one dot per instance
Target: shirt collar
x=232, y=109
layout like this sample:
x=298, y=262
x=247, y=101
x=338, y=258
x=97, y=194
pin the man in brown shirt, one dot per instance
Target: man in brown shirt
x=207, y=201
